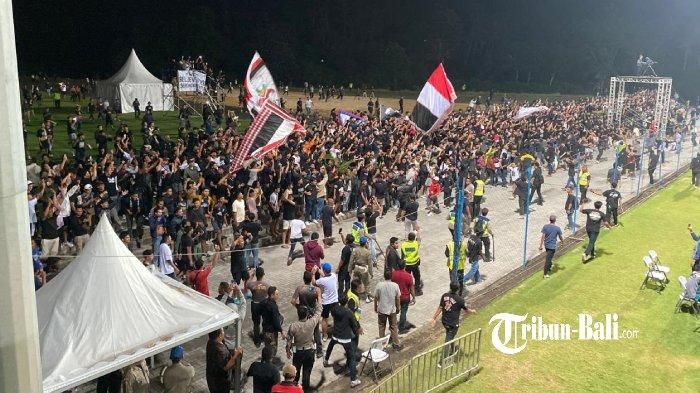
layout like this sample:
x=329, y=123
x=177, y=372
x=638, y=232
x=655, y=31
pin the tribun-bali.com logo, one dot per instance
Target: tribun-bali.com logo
x=511, y=332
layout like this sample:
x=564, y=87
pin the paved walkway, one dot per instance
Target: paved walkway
x=508, y=231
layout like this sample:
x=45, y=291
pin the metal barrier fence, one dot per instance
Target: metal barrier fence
x=437, y=367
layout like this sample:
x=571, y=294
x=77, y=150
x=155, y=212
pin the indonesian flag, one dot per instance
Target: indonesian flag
x=259, y=86
x=434, y=102
x=268, y=131
x=529, y=111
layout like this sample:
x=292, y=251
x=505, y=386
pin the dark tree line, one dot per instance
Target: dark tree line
x=555, y=45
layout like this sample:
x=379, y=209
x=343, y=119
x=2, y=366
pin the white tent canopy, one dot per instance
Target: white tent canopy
x=134, y=81
x=106, y=311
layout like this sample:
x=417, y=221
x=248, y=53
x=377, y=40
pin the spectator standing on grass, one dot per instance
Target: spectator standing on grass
x=695, y=170
x=137, y=108
x=613, y=200
x=548, y=242
x=594, y=219
x=692, y=286
x=451, y=304
x=696, y=250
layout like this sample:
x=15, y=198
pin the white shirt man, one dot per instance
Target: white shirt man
x=295, y=229
x=238, y=208
x=165, y=257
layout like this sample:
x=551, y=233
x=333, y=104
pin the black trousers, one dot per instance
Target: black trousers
x=343, y=281
x=349, y=356
x=476, y=206
x=487, y=247
x=695, y=177
x=304, y=362
x=536, y=189
x=611, y=213
x=415, y=271
x=651, y=175
x=548, y=260
x=256, y=316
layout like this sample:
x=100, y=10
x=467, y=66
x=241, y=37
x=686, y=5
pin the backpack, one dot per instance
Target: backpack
x=479, y=226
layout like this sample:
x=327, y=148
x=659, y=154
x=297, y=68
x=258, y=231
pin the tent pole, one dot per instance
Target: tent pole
x=19, y=340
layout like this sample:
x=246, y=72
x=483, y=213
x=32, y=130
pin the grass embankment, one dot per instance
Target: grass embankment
x=666, y=353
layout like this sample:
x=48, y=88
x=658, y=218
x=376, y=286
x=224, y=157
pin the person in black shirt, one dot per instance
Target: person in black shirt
x=653, y=162
x=343, y=273
x=238, y=266
x=251, y=230
x=570, y=207
x=451, y=304
x=264, y=373
x=345, y=329
x=520, y=190
x=594, y=218
x=613, y=199
x=272, y=320
x=537, y=181
x=220, y=361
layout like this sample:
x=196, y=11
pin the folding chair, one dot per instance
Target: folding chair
x=684, y=299
x=377, y=354
x=655, y=258
x=653, y=274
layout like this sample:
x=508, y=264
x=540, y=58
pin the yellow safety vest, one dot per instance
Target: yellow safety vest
x=356, y=231
x=479, y=187
x=352, y=296
x=462, y=255
x=409, y=250
x=452, y=220
x=583, y=178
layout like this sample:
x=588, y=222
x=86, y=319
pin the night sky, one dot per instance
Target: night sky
x=557, y=45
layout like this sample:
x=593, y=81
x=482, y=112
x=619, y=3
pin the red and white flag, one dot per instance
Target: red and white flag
x=268, y=131
x=259, y=86
x=434, y=102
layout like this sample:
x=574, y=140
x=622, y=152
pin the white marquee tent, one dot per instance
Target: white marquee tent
x=134, y=81
x=106, y=311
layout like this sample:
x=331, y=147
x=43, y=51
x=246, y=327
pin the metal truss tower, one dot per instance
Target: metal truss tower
x=616, y=98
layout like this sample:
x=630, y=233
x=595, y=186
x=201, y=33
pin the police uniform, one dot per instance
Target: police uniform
x=479, y=186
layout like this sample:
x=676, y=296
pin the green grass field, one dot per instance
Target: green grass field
x=666, y=354
x=167, y=121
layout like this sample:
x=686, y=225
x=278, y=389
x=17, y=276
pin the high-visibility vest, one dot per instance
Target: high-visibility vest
x=462, y=254
x=452, y=220
x=356, y=228
x=583, y=178
x=409, y=250
x=479, y=187
x=352, y=296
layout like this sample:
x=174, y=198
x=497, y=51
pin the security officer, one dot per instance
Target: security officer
x=449, y=253
x=482, y=225
x=359, y=228
x=478, y=195
x=409, y=255
x=361, y=267
x=300, y=341
x=584, y=179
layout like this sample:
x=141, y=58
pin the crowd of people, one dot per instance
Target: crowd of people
x=177, y=205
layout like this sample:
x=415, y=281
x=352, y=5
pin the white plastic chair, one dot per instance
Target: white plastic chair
x=377, y=354
x=684, y=299
x=657, y=262
x=653, y=274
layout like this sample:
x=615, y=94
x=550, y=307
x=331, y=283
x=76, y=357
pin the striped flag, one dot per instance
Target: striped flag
x=434, y=102
x=268, y=131
x=259, y=86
